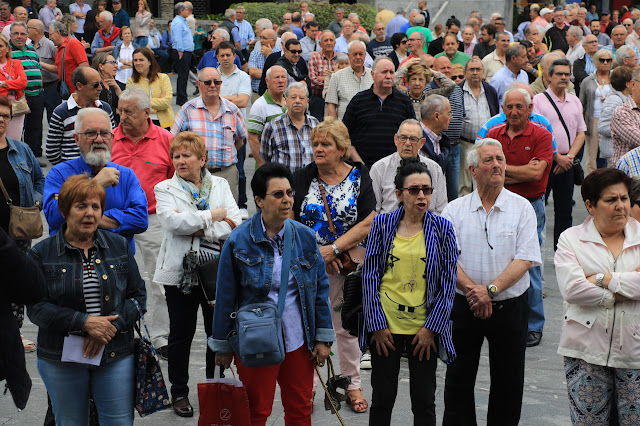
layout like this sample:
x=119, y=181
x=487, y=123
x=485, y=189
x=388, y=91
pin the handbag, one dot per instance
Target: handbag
x=578, y=172
x=352, y=311
x=332, y=398
x=25, y=223
x=351, y=258
x=257, y=338
x=223, y=401
x=62, y=87
x=150, y=392
x=208, y=272
x=18, y=106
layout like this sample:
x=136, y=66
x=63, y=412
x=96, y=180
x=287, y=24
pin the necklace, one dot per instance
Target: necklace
x=414, y=264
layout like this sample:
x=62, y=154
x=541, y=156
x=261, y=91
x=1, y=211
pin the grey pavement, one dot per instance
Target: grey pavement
x=545, y=396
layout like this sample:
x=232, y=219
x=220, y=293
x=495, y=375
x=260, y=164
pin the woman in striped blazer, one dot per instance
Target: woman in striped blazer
x=409, y=280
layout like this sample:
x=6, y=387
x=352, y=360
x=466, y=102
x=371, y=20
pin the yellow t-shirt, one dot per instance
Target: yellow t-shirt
x=403, y=289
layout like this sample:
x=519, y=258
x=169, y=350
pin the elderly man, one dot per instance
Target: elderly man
x=210, y=59
x=618, y=36
x=61, y=145
x=495, y=60
x=71, y=48
x=395, y=23
x=408, y=140
x=480, y=104
x=108, y=36
x=556, y=37
x=564, y=112
x=336, y=26
x=46, y=51
x=581, y=21
x=491, y=300
x=603, y=38
x=228, y=23
x=373, y=115
x=320, y=65
x=633, y=39
x=120, y=16
x=290, y=60
x=6, y=18
x=498, y=21
x=275, y=57
x=584, y=66
x=247, y=37
x=183, y=44
x=536, y=19
x=574, y=40
x=21, y=15
x=416, y=43
x=487, y=42
x=625, y=123
x=137, y=142
x=418, y=26
x=259, y=56
x=287, y=139
x=219, y=121
x=452, y=26
x=516, y=59
x=266, y=108
x=348, y=29
x=380, y=45
x=49, y=13
x=155, y=45
x=435, y=117
x=542, y=82
x=626, y=56
x=450, y=45
x=348, y=82
x=125, y=211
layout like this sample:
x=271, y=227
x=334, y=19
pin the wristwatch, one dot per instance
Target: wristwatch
x=600, y=279
x=335, y=248
x=492, y=289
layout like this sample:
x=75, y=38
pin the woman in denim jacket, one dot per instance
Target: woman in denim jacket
x=87, y=315
x=23, y=179
x=249, y=273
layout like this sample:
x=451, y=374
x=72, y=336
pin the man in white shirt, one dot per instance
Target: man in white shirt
x=574, y=39
x=347, y=82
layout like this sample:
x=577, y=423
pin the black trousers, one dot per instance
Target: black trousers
x=384, y=380
x=562, y=186
x=183, y=66
x=183, y=312
x=33, y=123
x=506, y=332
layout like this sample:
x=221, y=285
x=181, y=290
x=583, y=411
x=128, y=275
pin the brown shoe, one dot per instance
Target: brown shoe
x=182, y=407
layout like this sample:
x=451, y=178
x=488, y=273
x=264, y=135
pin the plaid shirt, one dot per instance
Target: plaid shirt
x=317, y=65
x=625, y=123
x=219, y=132
x=630, y=163
x=283, y=143
x=257, y=60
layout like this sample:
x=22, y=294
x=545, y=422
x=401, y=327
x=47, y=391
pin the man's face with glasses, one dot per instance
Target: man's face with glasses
x=293, y=52
x=92, y=89
x=209, y=83
x=94, y=139
x=409, y=140
x=475, y=72
x=19, y=36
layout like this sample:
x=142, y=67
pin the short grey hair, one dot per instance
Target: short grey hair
x=500, y=33
x=377, y=61
x=576, y=31
x=556, y=55
x=296, y=85
x=513, y=50
x=108, y=16
x=179, y=7
x=637, y=24
x=83, y=113
x=264, y=24
x=399, y=11
x=354, y=43
x=409, y=121
x=418, y=20
x=623, y=52
x=473, y=158
x=137, y=94
x=421, y=35
x=202, y=70
x=527, y=97
x=619, y=26
x=223, y=33
x=433, y=103
x=327, y=31
x=353, y=15
x=270, y=70
x=57, y=26
x=341, y=57
x=17, y=24
x=229, y=13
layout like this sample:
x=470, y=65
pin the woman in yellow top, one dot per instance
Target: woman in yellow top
x=147, y=76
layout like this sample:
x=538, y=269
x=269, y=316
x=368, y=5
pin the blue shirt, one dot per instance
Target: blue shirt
x=121, y=18
x=181, y=35
x=394, y=25
x=126, y=203
x=537, y=119
x=166, y=41
x=246, y=33
x=98, y=42
x=630, y=163
x=503, y=78
x=297, y=31
x=211, y=60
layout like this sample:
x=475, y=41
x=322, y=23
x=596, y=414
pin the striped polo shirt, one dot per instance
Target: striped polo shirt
x=32, y=68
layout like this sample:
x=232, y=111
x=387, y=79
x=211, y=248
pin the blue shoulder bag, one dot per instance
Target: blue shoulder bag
x=258, y=339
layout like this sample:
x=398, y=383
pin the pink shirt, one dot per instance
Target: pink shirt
x=571, y=110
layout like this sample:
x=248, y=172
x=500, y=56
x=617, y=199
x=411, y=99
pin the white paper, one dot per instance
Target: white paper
x=72, y=351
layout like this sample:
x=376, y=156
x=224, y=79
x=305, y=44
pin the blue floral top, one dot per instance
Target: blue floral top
x=342, y=199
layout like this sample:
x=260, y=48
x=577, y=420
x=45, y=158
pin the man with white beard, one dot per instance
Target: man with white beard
x=125, y=211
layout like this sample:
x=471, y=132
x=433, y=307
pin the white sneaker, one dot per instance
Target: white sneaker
x=365, y=361
x=244, y=214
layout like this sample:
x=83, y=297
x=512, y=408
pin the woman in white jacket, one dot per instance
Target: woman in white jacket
x=194, y=209
x=597, y=266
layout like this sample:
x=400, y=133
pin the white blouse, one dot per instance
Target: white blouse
x=126, y=53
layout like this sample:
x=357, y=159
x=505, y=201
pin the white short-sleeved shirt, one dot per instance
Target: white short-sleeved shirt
x=236, y=83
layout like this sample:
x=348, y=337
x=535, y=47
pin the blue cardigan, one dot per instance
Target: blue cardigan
x=440, y=271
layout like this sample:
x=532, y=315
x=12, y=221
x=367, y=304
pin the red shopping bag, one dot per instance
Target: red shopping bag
x=223, y=402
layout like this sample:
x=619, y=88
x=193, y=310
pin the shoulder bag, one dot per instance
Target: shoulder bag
x=208, y=272
x=18, y=106
x=63, y=89
x=351, y=258
x=578, y=173
x=258, y=338
x=25, y=223
x=352, y=311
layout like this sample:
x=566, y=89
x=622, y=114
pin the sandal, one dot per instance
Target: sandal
x=29, y=346
x=356, y=400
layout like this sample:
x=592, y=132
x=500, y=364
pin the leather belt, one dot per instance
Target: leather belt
x=506, y=302
x=218, y=169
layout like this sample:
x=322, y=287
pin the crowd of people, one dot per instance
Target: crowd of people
x=447, y=141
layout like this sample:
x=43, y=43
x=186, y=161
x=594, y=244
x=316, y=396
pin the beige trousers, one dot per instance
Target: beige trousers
x=465, y=184
x=591, y=148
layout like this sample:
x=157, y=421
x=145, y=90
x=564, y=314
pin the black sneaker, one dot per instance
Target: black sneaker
x=163, y=352
x=533, y=338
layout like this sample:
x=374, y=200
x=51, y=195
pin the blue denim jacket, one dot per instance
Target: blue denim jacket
x=28, y=171
x=244, y=277
x=63, y=311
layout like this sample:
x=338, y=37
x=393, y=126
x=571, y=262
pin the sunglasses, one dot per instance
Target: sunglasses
x=296, y=52
x=208, y=82
x=415, y=190
x=604, y=60
x=403, y=42
x=96, y=85
x=279, y=194
x=458, y=77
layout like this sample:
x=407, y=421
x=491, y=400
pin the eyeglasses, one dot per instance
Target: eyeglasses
x=5, y=117
x=415, y=190
x=604, y=60
x=562, y=74
x=404, y=138
x=279, y=194
x=208, y=82
x=111, y=62
x=92, y=135
x=457, y=77
x=403, y=42
x=95, y=85
x=296, y=52
x=628, y=25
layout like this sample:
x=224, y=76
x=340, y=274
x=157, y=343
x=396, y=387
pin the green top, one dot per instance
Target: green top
x=460, y=58
x=425, y=31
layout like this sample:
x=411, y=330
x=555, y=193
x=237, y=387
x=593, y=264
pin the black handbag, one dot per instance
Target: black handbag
x=62, y=88
x=352, y=311
x=208, y=272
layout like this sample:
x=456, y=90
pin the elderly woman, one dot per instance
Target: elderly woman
x=13, y=81
x=85, y=336
x=408, y=283
x=413, y=77
x=597, y=266
x=399, y=53
x=124, y=55
x=622, y=83
x=593, y=92
x=251, y=271
x=147, y=76
x=107, y=66
x=194, y=209
x=23, y=180
x=341, y=223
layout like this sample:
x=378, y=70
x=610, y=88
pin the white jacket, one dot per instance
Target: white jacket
x=596, y=328
x=177, y=228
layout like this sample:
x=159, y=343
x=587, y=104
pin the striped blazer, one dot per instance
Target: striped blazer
x=440, y=272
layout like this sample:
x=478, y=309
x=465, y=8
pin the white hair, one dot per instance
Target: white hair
x=108, y=16
x=473, y=159
x=137, y=94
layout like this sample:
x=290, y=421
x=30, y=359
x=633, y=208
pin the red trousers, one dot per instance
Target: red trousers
x=295, y=377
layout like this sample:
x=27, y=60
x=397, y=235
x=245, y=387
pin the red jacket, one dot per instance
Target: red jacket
x=16, y=79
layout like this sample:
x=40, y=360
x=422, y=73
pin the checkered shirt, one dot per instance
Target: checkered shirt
x=317, y=65
x=344, y=85
x=630, y=163
x=257, y=60
x=282, y=142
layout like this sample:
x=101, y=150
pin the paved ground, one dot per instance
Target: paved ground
x=545, y=401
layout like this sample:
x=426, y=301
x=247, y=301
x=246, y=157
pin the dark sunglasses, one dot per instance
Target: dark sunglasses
x=403, y=42
x=458, y=77
x=279, y=194
x=415, y=190
x=296, y=52
x=208, y=82
x=604, y=60
x=96, y=85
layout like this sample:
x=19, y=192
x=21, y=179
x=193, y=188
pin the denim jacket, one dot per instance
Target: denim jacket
x=244, y=277
x=28, y=171
x=63, y=311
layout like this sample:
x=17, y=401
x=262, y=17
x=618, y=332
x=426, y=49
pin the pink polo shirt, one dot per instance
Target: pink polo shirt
x=571, y=110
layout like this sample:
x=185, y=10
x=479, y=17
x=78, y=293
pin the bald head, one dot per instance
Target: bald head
x=20, y=14
x=443, y=65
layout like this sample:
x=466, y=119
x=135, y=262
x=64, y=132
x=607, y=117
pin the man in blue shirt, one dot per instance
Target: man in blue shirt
x=183, y=43
x=126, y=205
x=120, y=16
x=210, y=59
x=247, y=36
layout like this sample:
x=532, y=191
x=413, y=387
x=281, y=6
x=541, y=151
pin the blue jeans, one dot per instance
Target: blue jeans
x=163, y=57
x=536, y=313
x=453, y=172
x=140, y=41
x=70, y=385
x=242, y=178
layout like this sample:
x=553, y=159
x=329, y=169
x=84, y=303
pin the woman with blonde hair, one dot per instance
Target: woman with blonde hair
x=13, y=81
x=413, y=77
x=143, y=19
